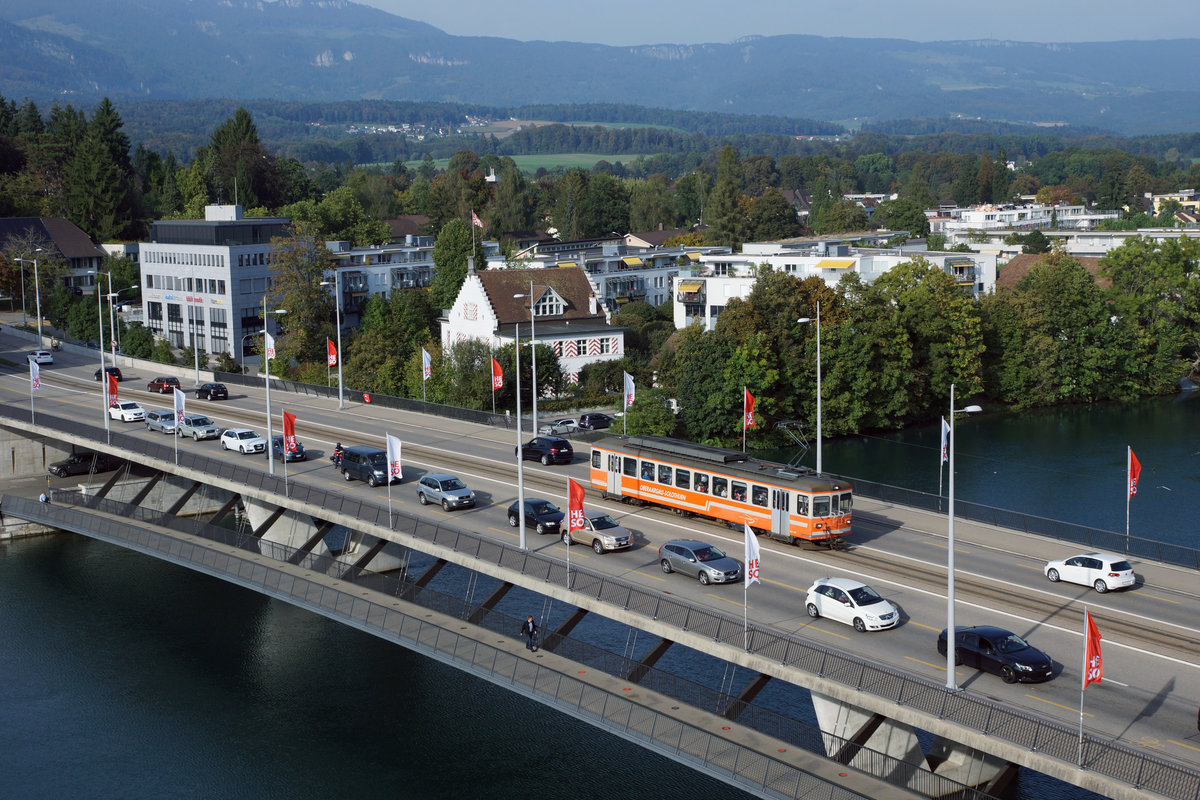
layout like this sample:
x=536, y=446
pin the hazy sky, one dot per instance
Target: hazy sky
x=625, y=22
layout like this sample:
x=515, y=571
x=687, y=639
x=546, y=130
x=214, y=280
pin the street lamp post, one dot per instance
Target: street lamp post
x=337, y=291
x=817, y=319
x=103, y=374
x=112, y=298
x=267, y=376
x=520, y=456
x=533, y=349
x=37, y=293
x=951, y=639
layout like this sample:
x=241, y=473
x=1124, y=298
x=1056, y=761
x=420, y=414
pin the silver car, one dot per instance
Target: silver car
x=198, y=427
x=559, y=427
x=600, y=531
x=438, y=487
x=160, y=420
x=701, y=561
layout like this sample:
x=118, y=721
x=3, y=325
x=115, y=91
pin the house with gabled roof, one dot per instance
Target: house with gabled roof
x=59, y=238
x=493, y=306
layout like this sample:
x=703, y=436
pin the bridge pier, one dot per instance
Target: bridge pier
x=851, y=729
x=277, y=525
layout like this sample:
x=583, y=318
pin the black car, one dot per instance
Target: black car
x=82, y=463
x=296, y=455
x=114, y=371
x=595, y=421
x=212, y=391
x=541, y=515
x=548, y=450
x=1000, y=652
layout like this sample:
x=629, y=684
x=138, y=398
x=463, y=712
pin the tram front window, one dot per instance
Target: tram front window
x=821, y=506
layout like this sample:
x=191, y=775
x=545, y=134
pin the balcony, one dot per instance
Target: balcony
x=690, y=291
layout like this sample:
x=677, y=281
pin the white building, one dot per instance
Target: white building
x=959, y=225
x=203, y=281
x=704, y=292
x=566, y=315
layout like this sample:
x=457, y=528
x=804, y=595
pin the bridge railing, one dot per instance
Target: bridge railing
x=772, y=723
x=1026, y=730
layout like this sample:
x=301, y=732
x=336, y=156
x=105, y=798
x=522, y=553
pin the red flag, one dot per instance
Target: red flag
x=1135, y=469
x=475, y=220
x=574, y=506
x=1093, y=664
x=748, y=410
x=112, y=390
x=289, y=432
x=497, y=375
x=331, y=353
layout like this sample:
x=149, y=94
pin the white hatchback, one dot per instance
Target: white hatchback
x=851, y=602
x=1101, y=571
x=127, y=411
x=41, y=356
x=243, y=440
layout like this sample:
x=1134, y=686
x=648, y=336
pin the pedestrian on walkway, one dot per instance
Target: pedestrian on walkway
x=529, y=630
x=44, y=498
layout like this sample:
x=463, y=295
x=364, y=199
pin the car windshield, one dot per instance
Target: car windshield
x=708, y=554
x=451, y=484
x=865, y=596
x=246, y=435
x=200, y=421
x=1011, y=644
x=377, y=459
x=128, y=406
x=603, y=522
x=544, y=508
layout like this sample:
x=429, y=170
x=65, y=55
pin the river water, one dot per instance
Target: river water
x=127, y=677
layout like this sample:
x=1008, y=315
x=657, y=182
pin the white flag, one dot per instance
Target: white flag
x=629, y=392
x=393, y=458
x=945, y=433
x=752, y=563
x=270, y=344
x=179, y=406
x=426, y=365
x=35, y=376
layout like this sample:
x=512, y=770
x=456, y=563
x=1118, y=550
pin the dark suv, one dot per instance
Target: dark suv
x=1000, y=652
x=548, y=450
x=595, y=421
x=541, y=515
x=114, y=371
x=81, y=463
x=212, y=391
x=163, y=385
x=366, y=464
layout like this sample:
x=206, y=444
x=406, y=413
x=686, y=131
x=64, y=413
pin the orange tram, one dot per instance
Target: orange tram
x=789, y=505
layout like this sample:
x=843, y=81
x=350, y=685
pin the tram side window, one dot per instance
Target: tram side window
x=802, y=505
x=758, y=495
x=720, y=487
x=739, y=491
x=821, y=506
x=595, y=459
x=664, y=474
x=846, y=503
x=647, y=470
x=630, y=467
x=683, y=479
x=701, y=483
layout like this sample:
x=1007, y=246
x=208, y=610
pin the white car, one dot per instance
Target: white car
x=243, y=440
x=127, y=411
x=851, y=602
x=560, y=426
x=41, y=357
x=1101, y=571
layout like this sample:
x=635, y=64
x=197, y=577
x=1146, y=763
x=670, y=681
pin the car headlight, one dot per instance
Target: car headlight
x=1024, y=667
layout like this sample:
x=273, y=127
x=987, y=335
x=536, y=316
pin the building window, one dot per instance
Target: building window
x=549, y=306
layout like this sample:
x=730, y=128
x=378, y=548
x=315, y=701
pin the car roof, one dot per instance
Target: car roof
x=986, y=630
x=689, y=542
x=441, y=476
x=238, y=430
x=841, y=583
x=364, y=448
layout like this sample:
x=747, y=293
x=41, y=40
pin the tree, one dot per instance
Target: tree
x=1035, y=242
x=299, y=263
x=605, y=206
x=162, y=353
x=725, y=214
x=650, y=415
x=772, y=217
x=451, y=249
x=101, y=178
x=842, y=217
x=137, y=341
x=901, y=214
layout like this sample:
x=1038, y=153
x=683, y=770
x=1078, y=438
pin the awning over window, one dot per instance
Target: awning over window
x=689, y=287
x=567, y=264
x=959, y=261
x=836, y=263
x=632, y=261
x=693, y=256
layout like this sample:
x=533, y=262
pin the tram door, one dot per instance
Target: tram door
x=780, y=507
x=614, y=474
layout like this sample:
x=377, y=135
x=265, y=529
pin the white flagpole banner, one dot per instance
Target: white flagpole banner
x=270, y=340
x=393, y=469
x=752, y=557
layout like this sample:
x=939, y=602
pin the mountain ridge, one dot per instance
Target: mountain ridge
x=78, y=52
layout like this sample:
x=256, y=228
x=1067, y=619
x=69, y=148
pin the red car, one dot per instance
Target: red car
x=163, y=385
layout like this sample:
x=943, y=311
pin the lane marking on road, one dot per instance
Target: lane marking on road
x=1057, y=705
x=828, y=633
x=1184, y=744
x=1156, y=597
x=654, y=575
x=726, y=600
x=945, y=546
x=923, y=625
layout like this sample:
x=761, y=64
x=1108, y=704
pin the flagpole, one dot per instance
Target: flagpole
x=1128, y=483
x=743, y=418
x=568, y=542
x=1082, y=686
x=283, y=451
x=32, y=413
x=388, y=478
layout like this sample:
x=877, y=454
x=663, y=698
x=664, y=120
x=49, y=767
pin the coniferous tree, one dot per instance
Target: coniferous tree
x=100, y=194
x=726, y=218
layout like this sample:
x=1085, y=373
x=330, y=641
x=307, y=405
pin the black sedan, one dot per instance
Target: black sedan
x=212, y=391
x=295, y=455
x=83, y=463
x=999, y=652
x=541, y=515
x=548, y=450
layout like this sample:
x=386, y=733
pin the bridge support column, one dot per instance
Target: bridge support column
x=296, y=531
x=849, y=728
